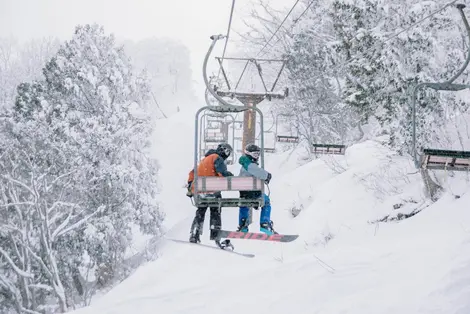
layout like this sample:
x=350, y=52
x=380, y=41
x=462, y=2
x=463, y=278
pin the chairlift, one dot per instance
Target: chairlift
x=211, y=136
x=214, y=124
x=269, y=139
x=204, y=186
x=285, y=138
x=328, y=149
x=440, y=159
x=251, y=99
x=445, y=159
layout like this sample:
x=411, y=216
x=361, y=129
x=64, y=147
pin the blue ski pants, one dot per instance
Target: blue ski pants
x=265, y=212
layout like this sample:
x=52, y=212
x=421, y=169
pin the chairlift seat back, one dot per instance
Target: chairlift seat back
x=208, y=185
x=211, y=136
x=287, y=139
x=438, y=159
x=333, y=149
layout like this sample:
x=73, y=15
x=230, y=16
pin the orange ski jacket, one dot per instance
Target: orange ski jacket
x=211, y=166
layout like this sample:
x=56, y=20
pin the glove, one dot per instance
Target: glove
x=268, y=178
x=189, y=193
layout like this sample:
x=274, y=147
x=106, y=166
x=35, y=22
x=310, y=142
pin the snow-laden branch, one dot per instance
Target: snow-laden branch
x=20, y=272
x=18, y=204
x=17, y=182
x=28, y=311
x=41, y=263
x=41, y=286
x=60, y=177
x=63, y=230
x=5, y=228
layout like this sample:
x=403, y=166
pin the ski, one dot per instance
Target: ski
x=213, y=247
x=257, y=236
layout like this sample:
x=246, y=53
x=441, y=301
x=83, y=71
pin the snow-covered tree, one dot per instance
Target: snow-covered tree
x=361, y=59
x=76, y=175
x=22, y=62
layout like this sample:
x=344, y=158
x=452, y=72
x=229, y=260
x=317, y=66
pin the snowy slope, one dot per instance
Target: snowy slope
x=342, y=262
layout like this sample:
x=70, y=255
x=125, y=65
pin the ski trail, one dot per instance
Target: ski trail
x=418, y=265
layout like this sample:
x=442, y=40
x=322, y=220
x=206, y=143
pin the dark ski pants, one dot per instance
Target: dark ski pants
x=215, y=221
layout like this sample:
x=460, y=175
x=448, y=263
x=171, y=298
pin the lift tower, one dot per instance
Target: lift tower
x=250, y=99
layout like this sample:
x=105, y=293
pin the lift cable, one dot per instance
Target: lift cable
x=279, y=27
x=228, y=34
x=293, y=24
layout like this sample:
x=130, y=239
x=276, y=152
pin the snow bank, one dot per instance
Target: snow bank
x=347, y=258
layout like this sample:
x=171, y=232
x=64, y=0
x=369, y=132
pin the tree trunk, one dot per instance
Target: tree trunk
x=433, y=190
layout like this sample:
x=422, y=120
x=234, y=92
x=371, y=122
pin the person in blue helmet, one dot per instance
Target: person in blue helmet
x=250, y=168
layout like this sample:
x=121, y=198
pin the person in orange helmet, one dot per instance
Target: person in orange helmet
x=213, y=164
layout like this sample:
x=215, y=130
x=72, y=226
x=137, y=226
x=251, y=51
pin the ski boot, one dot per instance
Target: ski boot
x=267, y=227
x=243, y=227
x=224, y=244
x=195, y=237
x=221, y=244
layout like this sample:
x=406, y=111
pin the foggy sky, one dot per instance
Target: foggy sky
x=190, y=21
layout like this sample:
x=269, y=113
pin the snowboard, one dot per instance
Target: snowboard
x=257, y=236
x=212, y=247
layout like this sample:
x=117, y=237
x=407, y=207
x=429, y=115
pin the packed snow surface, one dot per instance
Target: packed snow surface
x=344, y=261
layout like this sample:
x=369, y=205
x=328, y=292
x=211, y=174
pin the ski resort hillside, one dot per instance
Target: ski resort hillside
x=227, y=157
x=358, y=252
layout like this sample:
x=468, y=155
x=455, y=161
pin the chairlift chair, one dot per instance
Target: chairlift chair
x=205, y=186
x=328, y=149
x=219, y=118
x=214, y=124
x=438, y=159
x=285, y=138
x=211, y=136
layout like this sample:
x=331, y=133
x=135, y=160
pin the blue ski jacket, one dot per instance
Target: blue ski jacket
x=250, y=168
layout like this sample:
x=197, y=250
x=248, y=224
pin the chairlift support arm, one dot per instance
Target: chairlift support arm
x=223, y=72
x=225, y=106
x=258, y=67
